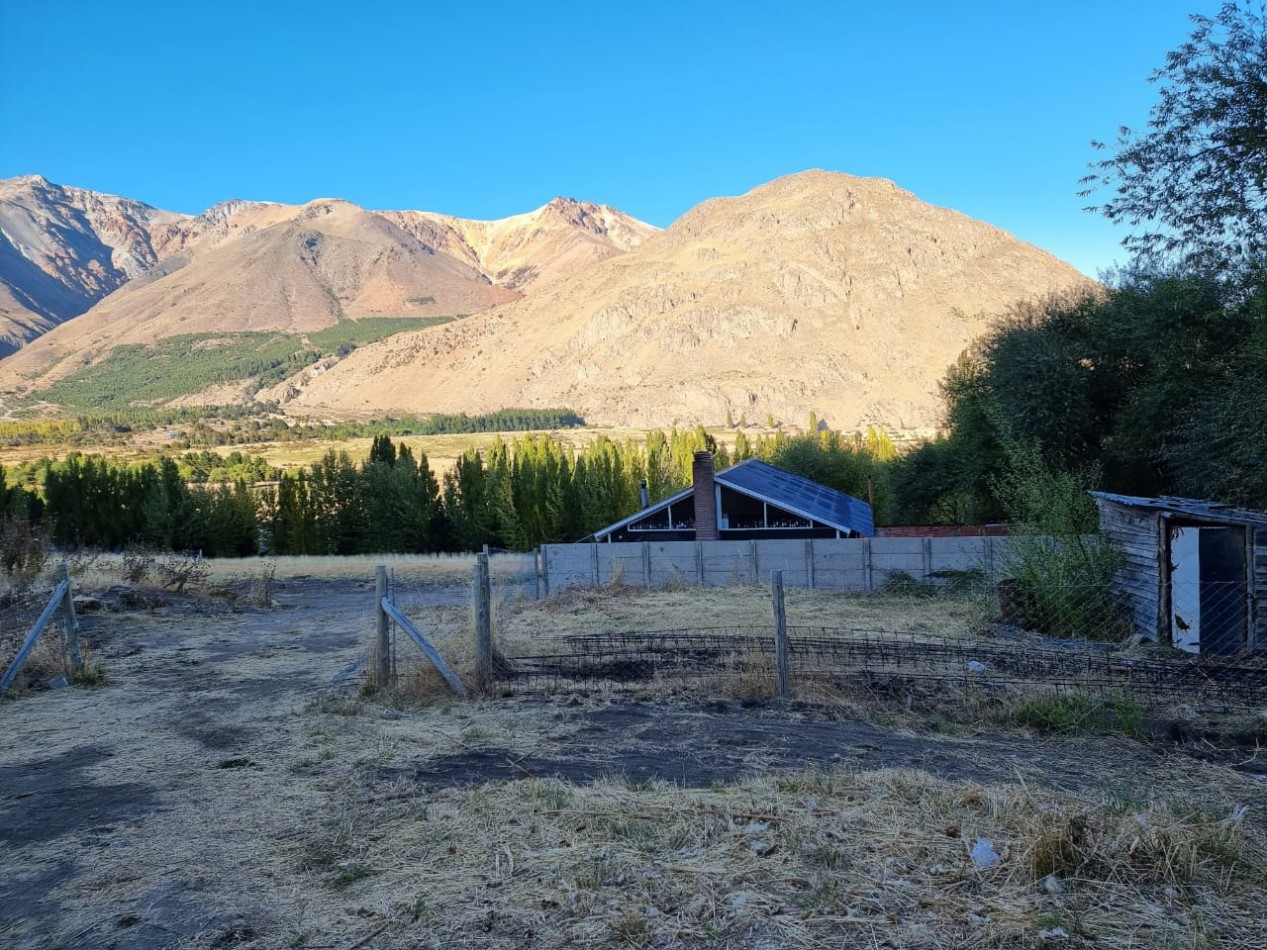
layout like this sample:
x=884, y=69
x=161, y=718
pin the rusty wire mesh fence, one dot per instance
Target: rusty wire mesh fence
x=1193, y=645
x=961, y=630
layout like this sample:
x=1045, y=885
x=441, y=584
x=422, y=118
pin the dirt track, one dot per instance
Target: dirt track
x=170, y=806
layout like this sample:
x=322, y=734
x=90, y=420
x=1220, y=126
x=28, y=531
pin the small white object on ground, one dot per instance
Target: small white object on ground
x=983, y=854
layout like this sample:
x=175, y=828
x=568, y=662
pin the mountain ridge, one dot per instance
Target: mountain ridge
x=817, y=291
x=64, y=251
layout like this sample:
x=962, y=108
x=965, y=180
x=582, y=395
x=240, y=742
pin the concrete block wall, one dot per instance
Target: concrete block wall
x=839, y=564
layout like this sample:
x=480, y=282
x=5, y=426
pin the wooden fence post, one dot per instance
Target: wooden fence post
x=429, y=651
x=384, y=644
x=809, y=563
x=926, y=552
x=483, y=622
x=71, y=623
x=536, y=570
x=646, y=564
x=866, y=563
x=756, y=568
x=780, y=634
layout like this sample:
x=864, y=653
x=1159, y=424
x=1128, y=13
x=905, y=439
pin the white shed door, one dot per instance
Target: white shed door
x=1185, y=589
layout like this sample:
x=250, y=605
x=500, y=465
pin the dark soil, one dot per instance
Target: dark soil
x=697, y=746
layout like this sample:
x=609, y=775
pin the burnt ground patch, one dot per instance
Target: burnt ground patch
x=696, y=746
x=212, y=734
x=50, y=798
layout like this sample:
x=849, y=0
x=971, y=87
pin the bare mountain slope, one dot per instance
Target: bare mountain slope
x=528, y=250
x=63, y=249
x=262, y=266
x=819, y=291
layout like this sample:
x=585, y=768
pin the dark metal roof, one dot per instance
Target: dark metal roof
x=792, y=493
x=799, y=495
x=1189, y=508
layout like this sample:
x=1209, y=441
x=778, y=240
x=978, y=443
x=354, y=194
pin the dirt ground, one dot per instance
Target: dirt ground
x=224, y=786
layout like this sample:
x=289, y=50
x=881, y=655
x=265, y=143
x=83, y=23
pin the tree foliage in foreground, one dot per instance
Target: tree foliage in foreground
x=1196, y=180
x=1160, y=386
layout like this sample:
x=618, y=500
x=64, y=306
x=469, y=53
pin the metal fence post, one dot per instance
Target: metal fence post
x=483, y=622
x=384, y=645
x=780, y=634
x=71, y=623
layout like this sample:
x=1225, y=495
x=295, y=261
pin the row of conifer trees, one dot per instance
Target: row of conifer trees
x=514, y=495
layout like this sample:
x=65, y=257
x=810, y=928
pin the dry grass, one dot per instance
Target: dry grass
x=95, y=569
x=47, y=660
x=528, y=626
x=816, y=859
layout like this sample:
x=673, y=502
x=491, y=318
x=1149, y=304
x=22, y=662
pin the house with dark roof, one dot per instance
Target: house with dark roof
x=749, y=501
x=1194, y=573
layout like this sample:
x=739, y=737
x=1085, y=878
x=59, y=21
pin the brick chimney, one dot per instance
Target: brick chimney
x=705, y=498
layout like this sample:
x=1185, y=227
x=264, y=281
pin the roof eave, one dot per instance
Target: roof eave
x=663, y=503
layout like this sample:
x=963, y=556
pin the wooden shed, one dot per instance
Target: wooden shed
x=1196, y=571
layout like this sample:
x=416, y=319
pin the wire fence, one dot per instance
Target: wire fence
x=1194, y=642
x=848, y=659
x=444, y=606
x=28, y=656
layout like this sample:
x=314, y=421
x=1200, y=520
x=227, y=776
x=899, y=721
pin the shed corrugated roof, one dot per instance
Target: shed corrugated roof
x=1190, y=507
x=792, y=493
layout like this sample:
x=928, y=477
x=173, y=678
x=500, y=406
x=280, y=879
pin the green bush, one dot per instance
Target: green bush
x=1076, y=713
x=1061, y=566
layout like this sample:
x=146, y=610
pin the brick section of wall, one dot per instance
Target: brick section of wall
x=942, y=531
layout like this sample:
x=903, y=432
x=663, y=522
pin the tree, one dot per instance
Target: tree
x=1197, y=179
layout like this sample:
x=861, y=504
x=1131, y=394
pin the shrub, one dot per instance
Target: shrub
x=136, y=566
x=183, y=570
x=1062, y=566
x=24, y=550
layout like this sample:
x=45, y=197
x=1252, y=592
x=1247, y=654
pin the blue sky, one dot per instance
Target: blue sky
x=484, y=109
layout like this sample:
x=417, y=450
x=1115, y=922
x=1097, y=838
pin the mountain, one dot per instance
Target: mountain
x=528, y=250
x=63, y=249
x=820, y=291
x=81, y=273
